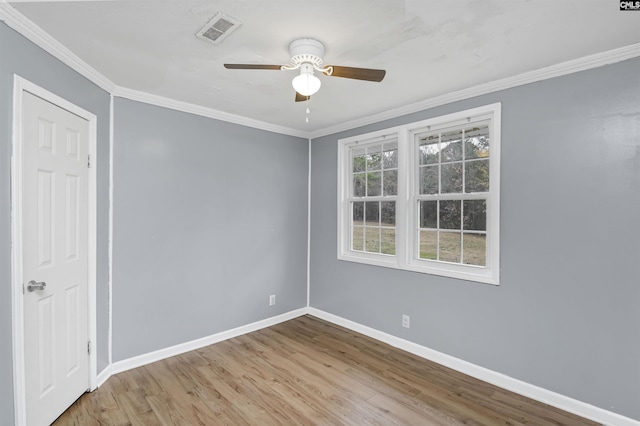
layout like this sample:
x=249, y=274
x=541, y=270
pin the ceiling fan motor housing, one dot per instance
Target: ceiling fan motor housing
x=306, y=50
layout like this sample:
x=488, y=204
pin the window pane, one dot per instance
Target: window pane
x=452, y=178
x=374, y=157
x=428, y=214
x=450, y=214
x=359, y=187
x=450, y=247
x=372, y=215
x=428, y=245
x=357, y=238
x=429, y=180
x=451, y=146
x=475, y=249
x=359, y=160
x=373, y=184
x=475, y=215
x=477, y=176
x=388, y=243
x=358, y=213
x=390, y=179
x=372, y=240
x=388, y=213
x=476, y=142
x=429, y=151
x=390, y=155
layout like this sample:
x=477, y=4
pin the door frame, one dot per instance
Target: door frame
x=20, y=86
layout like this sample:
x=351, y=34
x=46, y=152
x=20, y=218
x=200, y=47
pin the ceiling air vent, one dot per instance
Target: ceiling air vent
x=218, y=28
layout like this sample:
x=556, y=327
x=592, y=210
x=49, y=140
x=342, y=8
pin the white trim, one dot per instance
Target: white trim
x=21, y=85
x=187, y=107
x=19, y=393
x=42, y=39
x=104, y=375
x=493, y=377
x=110, y=285
x=93, y=241
x=140, y=360
x=344, y=183
x=309, y=230
x=563, y=68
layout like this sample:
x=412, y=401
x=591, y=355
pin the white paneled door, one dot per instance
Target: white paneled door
x=55, y=258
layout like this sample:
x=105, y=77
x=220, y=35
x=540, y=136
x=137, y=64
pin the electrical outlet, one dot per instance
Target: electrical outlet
x=406, y=321
x=272, y=300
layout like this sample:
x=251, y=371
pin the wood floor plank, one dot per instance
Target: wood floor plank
x=135, y=405
x=191, y=407
x=304, y=372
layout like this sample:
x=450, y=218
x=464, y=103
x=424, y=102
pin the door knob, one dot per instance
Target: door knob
x=33, y=286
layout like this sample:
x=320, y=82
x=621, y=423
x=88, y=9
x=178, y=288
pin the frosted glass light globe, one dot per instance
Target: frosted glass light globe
x=306, y=83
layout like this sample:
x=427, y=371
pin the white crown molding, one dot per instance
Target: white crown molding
x=31, y=31
x=41, y=38
x=505, y=382
x=136, y=95
x=564, y=68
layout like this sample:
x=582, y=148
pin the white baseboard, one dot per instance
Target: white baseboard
x=103, y=377
x=139, y=361
x=509, y=383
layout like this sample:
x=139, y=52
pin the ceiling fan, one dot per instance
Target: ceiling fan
x=306, y=55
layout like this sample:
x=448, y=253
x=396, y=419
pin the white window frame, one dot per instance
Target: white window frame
x=406, y=256
x=344, y=188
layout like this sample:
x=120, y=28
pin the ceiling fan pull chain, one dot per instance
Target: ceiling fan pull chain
x=308, y=111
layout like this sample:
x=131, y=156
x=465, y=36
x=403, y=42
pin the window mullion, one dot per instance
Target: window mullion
x=440, y=163
x=453, y=196
x=438, y=230
x=464, y=180
x=403, y=213
x=462, y=212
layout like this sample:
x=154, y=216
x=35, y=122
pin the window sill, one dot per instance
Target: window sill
x=456, y=271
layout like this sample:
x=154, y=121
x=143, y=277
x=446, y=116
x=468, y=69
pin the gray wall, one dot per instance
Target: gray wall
x=19, y=56
x=210, y=218
x=566, y=315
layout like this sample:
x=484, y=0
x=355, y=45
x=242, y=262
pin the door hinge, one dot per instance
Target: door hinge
x=89, y=161
x=89, y=347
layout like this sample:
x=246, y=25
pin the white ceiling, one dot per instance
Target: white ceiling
x=429, y=48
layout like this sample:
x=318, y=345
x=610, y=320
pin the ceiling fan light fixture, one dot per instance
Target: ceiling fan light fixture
x=306, y=83
x=306, y=56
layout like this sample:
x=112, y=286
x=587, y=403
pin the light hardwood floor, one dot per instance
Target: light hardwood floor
x=304, y=372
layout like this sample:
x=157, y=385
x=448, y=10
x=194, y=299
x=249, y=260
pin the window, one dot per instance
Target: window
x=453, y=188
x=373, y=199
x=425, y=196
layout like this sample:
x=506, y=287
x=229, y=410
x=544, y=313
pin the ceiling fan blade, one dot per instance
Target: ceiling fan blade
x=252, y=67
x=301, y=98
x=367, y=74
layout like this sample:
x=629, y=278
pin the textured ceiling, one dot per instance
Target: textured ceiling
x=429, y=48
